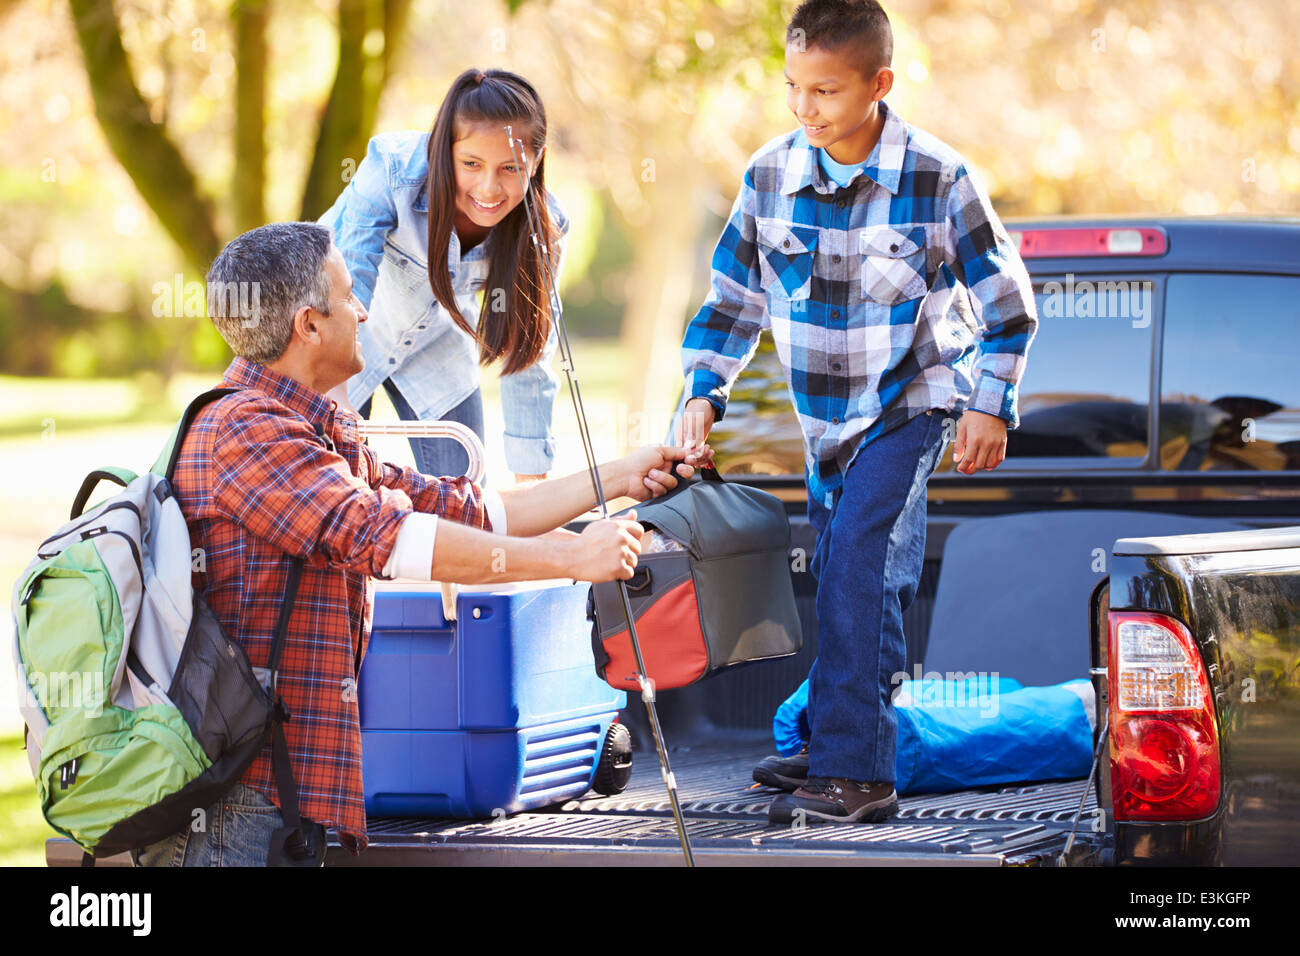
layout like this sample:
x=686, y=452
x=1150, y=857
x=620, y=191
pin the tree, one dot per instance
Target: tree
x=369, y=34
x=667, y=100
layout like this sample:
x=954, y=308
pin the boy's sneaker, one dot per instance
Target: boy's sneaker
x=836, y=800
x=784, y=773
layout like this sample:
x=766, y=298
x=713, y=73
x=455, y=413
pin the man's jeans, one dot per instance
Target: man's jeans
x=870, y=551
x=233, y=832
x=437, y=456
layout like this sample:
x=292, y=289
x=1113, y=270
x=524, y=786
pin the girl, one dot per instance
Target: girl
x=428, y=222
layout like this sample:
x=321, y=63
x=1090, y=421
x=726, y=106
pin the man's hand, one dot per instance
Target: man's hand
x=606, y=550
x=697, y=420
x=650, y=471
x=981, y=442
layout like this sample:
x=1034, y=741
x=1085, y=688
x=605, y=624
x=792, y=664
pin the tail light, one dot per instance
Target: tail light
x=1164, y=740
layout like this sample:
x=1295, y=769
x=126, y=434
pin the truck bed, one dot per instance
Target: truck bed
x=726, y=817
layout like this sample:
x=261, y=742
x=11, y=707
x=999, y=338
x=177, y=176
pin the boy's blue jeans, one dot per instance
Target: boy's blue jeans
x=868, y=561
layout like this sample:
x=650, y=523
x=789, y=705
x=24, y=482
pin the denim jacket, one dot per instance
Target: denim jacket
x=380, y=225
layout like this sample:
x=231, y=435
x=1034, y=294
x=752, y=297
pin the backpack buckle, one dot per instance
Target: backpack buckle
x=297, y=846
x=68, y=774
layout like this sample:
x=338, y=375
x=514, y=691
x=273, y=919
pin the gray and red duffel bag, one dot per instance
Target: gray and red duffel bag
x=712, y=587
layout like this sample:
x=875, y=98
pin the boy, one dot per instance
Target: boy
x=876, y=261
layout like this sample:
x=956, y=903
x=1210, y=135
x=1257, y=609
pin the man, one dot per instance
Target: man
x=274, y=471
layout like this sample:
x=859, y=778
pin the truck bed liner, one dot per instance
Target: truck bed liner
x=727, y=821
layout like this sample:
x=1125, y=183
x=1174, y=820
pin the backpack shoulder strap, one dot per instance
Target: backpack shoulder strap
x=171, y=453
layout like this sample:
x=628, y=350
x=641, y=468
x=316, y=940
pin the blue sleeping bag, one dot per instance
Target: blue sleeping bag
x=953, y=735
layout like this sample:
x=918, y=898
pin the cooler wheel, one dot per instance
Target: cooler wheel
x=614, y=768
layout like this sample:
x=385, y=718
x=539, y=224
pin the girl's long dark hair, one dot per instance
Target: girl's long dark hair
x=516, y=333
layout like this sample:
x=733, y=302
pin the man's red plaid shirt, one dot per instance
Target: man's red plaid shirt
x=258, y=485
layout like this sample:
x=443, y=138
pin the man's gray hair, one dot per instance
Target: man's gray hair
x=261, y=279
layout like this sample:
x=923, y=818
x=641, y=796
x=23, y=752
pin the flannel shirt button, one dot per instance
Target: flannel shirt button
x=840, y=203
x=894, y=247
x=785, y=244
x=835, y=258
x=835, y=420
x=835, y=366
x=835, y=314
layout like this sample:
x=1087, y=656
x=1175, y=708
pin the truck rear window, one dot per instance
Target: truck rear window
x=1086, y=385
x=1230, y=390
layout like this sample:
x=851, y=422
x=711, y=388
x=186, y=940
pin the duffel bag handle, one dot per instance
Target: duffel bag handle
x=120, y=476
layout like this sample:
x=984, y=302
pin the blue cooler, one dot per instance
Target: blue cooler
x=499, y=710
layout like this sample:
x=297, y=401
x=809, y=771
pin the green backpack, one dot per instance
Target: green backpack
x=140, y=712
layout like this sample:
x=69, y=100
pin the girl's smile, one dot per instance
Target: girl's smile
x=487, y=178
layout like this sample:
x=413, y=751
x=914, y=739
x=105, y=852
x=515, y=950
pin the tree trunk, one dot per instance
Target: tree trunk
x=249, y=190
x=142, y=146
x=370, y=35
x=659, y=299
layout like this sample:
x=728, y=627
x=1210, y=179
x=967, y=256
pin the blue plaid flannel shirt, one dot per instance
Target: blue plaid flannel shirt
x=896, y=294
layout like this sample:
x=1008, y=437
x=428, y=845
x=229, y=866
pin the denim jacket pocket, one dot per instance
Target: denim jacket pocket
x=785, y=257
x=893, y=263
x=409, y=276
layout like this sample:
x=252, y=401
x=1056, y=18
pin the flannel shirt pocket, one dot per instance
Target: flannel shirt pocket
x=786, y=254
x=893, y=263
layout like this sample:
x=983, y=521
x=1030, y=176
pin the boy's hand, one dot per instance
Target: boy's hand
x=697, y=418
x=981, y=442
x=649, y=472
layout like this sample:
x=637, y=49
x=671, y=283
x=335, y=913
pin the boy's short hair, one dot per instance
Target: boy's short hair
x=859, y=28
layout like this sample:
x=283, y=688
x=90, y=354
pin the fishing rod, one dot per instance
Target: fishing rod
x=542, y=248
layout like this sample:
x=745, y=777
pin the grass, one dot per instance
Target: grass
x=23, y=831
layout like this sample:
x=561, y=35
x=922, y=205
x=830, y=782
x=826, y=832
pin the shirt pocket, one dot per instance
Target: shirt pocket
x=408, y=276
x=785, y=257
x=893, y=263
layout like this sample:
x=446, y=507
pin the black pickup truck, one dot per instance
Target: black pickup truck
x=1137, y=533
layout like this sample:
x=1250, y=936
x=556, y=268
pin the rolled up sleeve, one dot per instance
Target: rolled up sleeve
x=279, y=482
